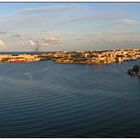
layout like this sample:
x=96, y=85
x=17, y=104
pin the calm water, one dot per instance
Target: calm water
x=44, y=99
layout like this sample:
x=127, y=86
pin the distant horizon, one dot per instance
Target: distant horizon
x=47, y=26
x=65, y=50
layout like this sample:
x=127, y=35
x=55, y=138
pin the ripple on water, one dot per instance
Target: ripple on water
x=58, y=100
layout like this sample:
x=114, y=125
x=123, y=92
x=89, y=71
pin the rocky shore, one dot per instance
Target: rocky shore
x=77, y=57
x=96, y=57
x=19, y=58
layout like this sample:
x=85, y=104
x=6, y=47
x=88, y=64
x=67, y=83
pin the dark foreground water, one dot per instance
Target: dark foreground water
x=44, y=99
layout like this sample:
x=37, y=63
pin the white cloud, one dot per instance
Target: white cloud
x=62, y=8
x=51, y=41
x=31, y=43
x=45, y=44
x=23, y=44
x=2, y=44
x=18, y=35
x=13, y=34
x=3, y=32
x=127, y=21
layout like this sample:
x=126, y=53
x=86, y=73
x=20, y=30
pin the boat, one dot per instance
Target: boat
x=18, y=61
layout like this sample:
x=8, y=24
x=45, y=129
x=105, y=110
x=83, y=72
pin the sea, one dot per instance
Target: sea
x=48, y=100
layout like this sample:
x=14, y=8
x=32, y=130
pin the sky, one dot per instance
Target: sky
x=69, y=26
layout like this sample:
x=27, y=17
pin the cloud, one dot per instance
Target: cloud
x=90, y=17
x=125, y=33
x=25, y=27
x=2, y=44
x=23, y=43
x=13, y=34
x=3, y=32
x=18, y=35
x=124, y=42
x=54, y=9
x=37, y=17
x=127, y=21
x=31, y=43
x=45, y=44
x=51, y=41
x=109, y=41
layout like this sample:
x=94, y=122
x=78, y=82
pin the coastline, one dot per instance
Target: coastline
x=76, y=57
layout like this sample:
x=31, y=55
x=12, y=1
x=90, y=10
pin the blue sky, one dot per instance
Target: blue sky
x=69, y=26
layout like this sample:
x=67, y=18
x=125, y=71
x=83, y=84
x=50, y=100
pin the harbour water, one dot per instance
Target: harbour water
x=44, y=99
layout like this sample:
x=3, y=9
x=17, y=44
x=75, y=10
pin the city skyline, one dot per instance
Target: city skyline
x=68, y=26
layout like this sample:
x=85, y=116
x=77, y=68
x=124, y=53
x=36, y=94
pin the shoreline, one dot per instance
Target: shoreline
x=76, y=57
